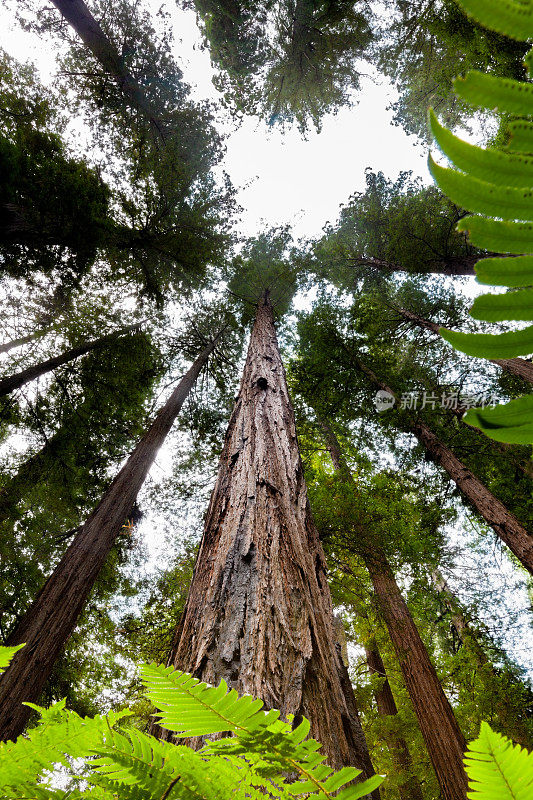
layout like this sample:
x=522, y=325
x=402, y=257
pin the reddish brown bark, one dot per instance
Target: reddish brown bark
x=443, y=738
x=386, y=705
x=17, y=380
x=506, y=525
x=516, y=366
x=47, y=625
x=259, y=611
x=79, y=16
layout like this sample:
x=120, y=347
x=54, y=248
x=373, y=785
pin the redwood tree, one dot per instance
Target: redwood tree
x=259, y=612
x=443, y=738
x=18, y=379
x=50, y=620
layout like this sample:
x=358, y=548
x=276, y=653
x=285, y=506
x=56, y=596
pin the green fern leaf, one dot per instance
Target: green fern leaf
x=511, y=422
x=488, y=345
x=516, y=305
x=499, y=94
x=481, y=196
x=499, y=236
x=6, y=655
x=521, y=136
x=493, y=166
x=514, y=20
x=497, y=769
x=513, y=272
x=191, y=708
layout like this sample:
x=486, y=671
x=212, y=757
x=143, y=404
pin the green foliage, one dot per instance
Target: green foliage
x=497, y=769
x=496, y=184
x=255, y=762
x=6, y=655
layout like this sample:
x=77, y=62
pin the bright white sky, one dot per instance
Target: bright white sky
x=283, y=178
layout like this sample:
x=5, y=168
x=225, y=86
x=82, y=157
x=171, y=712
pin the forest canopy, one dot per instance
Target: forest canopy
x=266, y=509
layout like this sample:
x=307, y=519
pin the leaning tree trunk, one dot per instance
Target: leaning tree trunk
x=259, y=611
x=17, y=380
x=488, y=675
x=502, y=521
x=516, y=366
x=443, y=738
x=79, y=16
x=49, y=622
x=386, y=705
x=30, y=337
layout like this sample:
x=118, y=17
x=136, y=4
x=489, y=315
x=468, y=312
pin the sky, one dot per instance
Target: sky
x=282, y=178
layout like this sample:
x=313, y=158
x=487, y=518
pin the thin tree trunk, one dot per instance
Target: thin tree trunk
x=49, y=622
x=516, y=366
x=7, y=346
x=489, y=677
x=17, y=380
x=259, y=611
x=444, y=741
x=502, y=521
x=386, y=705
x=79, y=16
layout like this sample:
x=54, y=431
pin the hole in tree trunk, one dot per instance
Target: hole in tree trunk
x=262, y=383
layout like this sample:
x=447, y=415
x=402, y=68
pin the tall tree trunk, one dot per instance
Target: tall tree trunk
x=444, y=741
x=79, y=16
x=506, y=525
x=30, y=337
x=17, y=380
x=386, y=705
x=259, y=611
x=488, y=675
x=49, y=622
x=516, y=366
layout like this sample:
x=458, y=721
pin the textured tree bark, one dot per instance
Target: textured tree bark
x=49, y=622
x=506, y=525
x=442, y=735
x=444, y=741
x=516, y=366
x=79, y=16
x=259, y=611
x=487, y=673
x=386, y=705
x=17, y=380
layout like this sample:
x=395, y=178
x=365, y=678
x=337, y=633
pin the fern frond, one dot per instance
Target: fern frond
x=192, y=708
x=491, y=345
x=493, y=166
x=498, y=235
x=58, y=735
x=481, y=196
x=521, y=136
x=499, y=94
x=512, y=272
x=497, y=769
x=511, y=423
x=6, y=655
x=512, y=19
